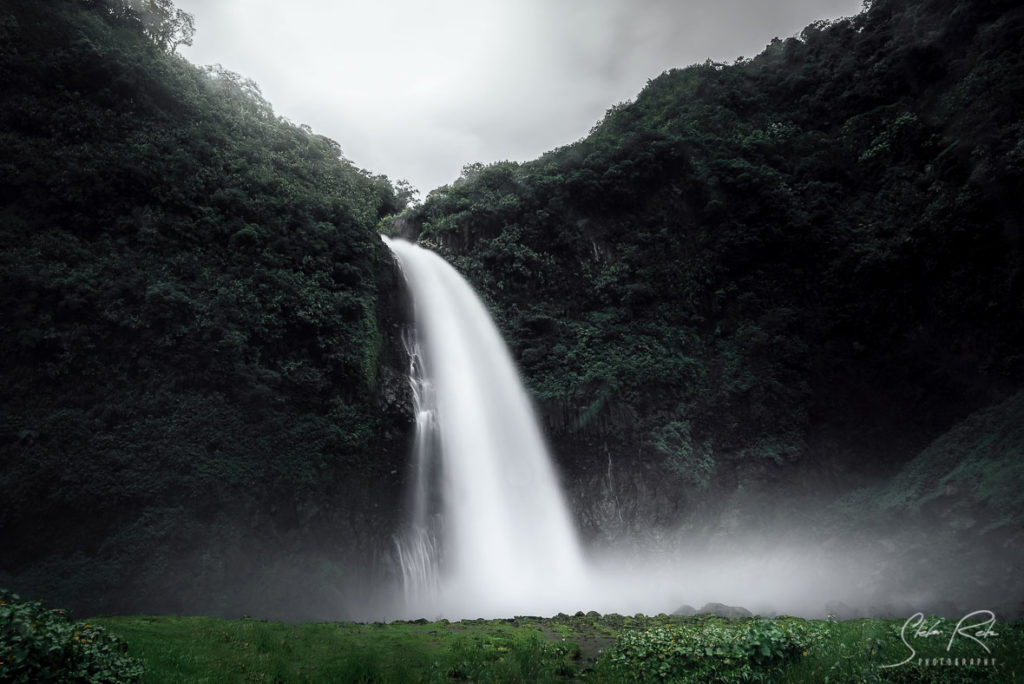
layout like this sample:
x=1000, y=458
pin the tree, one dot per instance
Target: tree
x=407, y=194
x=164, y=24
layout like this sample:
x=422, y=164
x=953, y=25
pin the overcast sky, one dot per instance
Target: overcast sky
x=415, y=89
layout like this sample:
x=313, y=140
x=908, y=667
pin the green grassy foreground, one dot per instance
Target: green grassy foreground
x=606, y=648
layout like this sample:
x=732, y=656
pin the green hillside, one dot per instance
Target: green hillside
x=786, y=274
x=194, y=320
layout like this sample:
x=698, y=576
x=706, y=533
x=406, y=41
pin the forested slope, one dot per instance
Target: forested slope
x=192, y=320
x=789, y=273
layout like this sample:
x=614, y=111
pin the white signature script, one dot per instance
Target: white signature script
x=974, y=626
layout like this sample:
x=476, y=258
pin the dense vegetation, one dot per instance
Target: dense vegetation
x=591, y=647
x=42, y=645
x=192, y=329
x=796, y=269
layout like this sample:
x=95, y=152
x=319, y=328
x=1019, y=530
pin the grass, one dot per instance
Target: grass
x=199, y=649
x=522, y=649
x=857, y=650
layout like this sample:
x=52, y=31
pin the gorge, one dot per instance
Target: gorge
x=768, y=315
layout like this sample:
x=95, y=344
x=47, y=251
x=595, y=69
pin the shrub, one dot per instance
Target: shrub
x=711, y=651
x=41, y=645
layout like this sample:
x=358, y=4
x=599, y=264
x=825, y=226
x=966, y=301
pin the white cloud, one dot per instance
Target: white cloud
x=417, y=89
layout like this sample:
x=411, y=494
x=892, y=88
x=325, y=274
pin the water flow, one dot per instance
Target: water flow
x=491, y=535
x=418, y=552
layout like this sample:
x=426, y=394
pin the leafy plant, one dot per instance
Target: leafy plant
x=709, y=651
x=38, y=644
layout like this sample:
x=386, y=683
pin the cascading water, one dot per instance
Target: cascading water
x=490, y=533
x=417, y=550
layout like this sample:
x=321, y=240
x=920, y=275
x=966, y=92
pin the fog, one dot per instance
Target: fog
x=765, y=576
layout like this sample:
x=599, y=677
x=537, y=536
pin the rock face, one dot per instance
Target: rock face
x=618, y=500
x=394, y=394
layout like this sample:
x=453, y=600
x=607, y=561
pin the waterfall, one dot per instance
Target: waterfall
x=489, y=532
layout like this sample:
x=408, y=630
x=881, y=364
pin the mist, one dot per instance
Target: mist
x=766, y=575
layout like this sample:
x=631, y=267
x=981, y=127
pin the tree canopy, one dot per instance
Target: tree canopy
x=194, y=324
